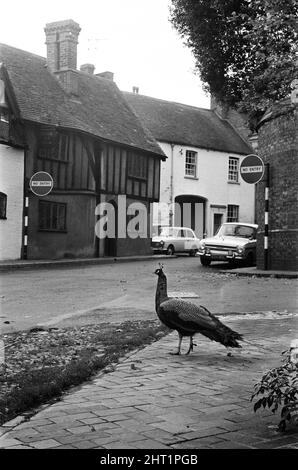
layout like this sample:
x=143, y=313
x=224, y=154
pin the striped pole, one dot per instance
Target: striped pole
x=25, y=240
x=266, y=226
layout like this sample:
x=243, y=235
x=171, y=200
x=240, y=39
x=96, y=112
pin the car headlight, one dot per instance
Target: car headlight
x=240, y=250
x=161, y=243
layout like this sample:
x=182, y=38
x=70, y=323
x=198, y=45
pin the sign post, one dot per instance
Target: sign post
x=252, y=170
x=41, y=184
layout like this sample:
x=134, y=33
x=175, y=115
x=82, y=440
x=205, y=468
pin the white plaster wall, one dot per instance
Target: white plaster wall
x=211, y=182
x=11, y=183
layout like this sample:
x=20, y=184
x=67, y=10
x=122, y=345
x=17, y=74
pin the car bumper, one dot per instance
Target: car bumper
x=220, y=255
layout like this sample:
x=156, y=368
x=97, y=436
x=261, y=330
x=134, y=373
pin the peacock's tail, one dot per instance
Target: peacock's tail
x=224, y=335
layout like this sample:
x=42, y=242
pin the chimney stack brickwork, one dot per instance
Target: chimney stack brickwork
x=61, y=41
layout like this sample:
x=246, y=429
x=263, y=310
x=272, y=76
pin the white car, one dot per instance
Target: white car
x=234, y=242
x=172, y=240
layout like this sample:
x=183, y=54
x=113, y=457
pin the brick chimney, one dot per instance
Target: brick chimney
x=87, y=68
x=61, y=41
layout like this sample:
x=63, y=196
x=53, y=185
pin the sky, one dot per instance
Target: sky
x=131, y=38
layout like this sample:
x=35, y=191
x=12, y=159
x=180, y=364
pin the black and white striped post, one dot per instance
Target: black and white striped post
x=252, y=170
x=40, y=184
x=266, y=221
x=25, y=239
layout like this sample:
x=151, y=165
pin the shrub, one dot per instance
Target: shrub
x=279, y=387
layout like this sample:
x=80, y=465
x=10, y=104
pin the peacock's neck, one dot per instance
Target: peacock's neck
x=161, y=292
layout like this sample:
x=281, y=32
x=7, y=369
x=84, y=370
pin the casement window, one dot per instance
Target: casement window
x=233, y=213
x=52, y=216
x=3, y=205
x=137, y=166
x=51, y=145
x=191, y=164
x=233, y=173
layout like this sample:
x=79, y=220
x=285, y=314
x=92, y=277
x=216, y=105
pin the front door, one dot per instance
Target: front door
x=217, y=222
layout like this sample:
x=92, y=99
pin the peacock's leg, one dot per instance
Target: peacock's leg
x=179, y=345
x=190, y=345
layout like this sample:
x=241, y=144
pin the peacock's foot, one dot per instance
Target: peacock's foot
x=177, y=353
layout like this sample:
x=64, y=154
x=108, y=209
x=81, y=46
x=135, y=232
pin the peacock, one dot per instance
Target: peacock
x=188, y=319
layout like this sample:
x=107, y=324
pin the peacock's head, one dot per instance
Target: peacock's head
x=159, y=272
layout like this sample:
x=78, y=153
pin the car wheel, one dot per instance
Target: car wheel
x=170, y=250
x=250, y=259
x=205, y=261
x=192, y=252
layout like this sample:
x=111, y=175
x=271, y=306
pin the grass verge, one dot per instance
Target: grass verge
x=42, y=364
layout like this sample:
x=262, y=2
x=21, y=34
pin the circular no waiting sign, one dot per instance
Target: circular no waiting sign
x=252, y=169
x=41, y=183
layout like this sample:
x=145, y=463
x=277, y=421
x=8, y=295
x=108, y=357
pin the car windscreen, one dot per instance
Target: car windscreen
x=168, y=232
x=236, y=230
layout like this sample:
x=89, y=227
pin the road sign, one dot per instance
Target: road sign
x=41, y=183
x=252, y=169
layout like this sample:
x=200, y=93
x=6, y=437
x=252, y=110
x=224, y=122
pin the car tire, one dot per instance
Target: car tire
x=170, y=250
x=205, y=261
x=250, y=259
x=192, y=252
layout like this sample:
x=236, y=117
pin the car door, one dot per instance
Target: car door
x=189, y=240
x=179, y=240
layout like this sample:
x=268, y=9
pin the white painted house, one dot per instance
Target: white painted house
x=201, y=186
x=11, y=201
x=11, y=179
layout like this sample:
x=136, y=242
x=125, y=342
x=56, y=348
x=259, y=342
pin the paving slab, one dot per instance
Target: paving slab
x=170, y=402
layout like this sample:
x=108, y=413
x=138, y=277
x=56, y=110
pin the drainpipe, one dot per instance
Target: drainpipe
x=171, y=212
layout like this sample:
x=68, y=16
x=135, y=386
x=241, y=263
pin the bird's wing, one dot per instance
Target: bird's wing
x=177, y=311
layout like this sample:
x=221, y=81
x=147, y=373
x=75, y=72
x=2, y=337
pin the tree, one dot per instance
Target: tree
x=245, y=50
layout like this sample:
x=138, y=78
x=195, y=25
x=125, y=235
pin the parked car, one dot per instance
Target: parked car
x=234, y=242
x=172, y=240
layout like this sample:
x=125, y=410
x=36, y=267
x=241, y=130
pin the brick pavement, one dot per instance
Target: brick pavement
x=154, y=400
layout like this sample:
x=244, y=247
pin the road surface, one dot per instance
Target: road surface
x=125, y=291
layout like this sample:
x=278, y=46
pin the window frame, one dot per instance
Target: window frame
x=50, y=227
x=189, y=164
x=137, y=166
x=3, y=205
x=231, y=217
x=233, y=170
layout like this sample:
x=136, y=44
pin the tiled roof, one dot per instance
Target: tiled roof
x=187, y=125
x=99, y=109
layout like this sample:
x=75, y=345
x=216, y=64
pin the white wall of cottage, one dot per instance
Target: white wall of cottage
x=211, y=183
x=12, y=184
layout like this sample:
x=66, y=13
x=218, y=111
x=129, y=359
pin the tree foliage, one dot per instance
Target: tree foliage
x=245, y=50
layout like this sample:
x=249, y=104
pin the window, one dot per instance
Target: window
x=137, y=166
x=233, y=213
x=3, y=205
x=51, y=145
x=188, y=234
x=52, y=216
x=233, y=174
x=191, y=163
